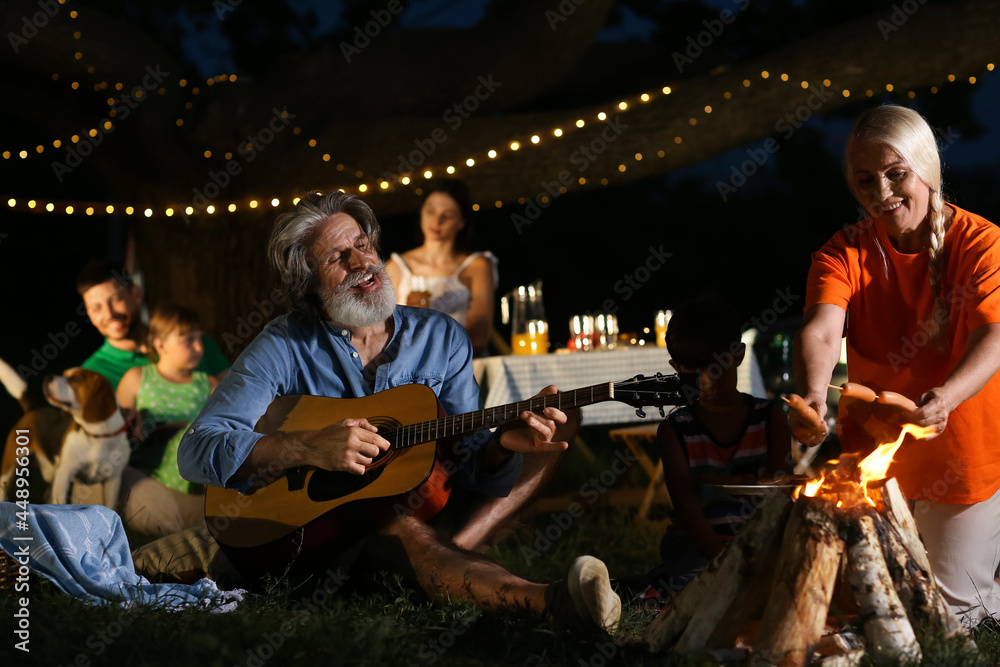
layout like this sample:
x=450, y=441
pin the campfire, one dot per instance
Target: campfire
x=822, y=577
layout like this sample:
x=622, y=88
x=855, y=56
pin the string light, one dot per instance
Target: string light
x=384, y=185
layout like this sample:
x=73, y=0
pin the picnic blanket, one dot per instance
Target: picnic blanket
x=83, y=550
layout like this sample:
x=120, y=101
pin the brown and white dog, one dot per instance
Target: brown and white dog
x=92, y=447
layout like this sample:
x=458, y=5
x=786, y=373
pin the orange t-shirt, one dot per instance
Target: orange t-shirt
x=890, y=307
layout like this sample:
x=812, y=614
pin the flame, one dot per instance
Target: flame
x=812, y=486
x=836, y=483
x=875, y=466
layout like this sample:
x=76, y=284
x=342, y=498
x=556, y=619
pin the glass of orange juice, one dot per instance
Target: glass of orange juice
x=535, y=339
x=662, y=319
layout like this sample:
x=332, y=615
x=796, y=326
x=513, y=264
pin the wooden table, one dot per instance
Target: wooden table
x=637, y=438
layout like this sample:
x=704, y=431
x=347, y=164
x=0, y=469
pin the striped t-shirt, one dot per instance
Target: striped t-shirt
x=744, y=455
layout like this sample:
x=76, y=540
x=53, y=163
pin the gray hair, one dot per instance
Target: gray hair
x=291, y=239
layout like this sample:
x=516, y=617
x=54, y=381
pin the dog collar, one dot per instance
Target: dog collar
x=106, y=435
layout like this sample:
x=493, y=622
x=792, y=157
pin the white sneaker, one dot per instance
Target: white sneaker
x=590, y=589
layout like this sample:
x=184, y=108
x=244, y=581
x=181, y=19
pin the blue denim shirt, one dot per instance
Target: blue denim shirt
x=297, y=356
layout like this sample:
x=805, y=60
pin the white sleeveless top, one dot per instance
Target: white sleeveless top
x=448, y=293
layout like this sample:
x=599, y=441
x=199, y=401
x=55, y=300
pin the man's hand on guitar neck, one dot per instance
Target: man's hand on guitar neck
x=348, y=445
x=535, y=431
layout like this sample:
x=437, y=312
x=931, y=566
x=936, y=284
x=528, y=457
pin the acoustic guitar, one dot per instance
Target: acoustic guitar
x=303, y=513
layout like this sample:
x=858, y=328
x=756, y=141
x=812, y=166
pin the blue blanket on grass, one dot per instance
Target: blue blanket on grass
x=82, y=549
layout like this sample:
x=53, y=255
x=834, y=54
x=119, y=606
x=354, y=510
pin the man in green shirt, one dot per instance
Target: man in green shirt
x=112, y=300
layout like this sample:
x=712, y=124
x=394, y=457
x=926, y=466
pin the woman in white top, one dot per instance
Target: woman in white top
x=441, y=273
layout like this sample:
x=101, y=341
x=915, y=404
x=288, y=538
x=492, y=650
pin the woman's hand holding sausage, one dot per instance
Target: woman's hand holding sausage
x=806, y=418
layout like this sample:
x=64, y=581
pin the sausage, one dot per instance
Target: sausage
x=797, y=403
x=895, y=400
x=858, y=391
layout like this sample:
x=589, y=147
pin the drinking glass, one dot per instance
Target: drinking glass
x=662, y=319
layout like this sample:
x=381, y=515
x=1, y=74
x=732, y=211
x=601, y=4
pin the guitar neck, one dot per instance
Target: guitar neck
x=469, y=422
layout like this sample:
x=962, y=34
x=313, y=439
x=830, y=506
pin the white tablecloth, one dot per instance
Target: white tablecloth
x=511, y=378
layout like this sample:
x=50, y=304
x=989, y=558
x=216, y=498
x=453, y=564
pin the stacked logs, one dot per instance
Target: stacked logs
x=803, y=577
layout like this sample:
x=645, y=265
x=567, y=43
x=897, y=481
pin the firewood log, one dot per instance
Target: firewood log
x=886, y=626
x=756, y=554
x=919, y=594
x=897, y=510
x=735, y=627
x=712, y=591
x=803, y=585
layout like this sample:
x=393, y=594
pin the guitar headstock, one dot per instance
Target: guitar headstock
x=657, y=391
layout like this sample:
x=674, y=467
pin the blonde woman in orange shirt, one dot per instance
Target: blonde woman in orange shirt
x=916, y=288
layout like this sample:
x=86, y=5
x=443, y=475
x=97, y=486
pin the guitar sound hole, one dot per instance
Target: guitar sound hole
x=328, y=484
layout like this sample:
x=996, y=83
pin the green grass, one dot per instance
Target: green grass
x=388, y=623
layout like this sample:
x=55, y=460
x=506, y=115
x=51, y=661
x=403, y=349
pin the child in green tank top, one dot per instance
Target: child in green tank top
x=168, y=393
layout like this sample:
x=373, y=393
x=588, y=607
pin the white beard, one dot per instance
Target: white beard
x=351, y=309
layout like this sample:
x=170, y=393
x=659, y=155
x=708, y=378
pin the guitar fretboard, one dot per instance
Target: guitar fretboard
x=469, y=422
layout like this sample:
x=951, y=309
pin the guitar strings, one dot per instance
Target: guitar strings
x=435, y=429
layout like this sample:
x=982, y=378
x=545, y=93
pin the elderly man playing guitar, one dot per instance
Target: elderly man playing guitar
x=305, y=474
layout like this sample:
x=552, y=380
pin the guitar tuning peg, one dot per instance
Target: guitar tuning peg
x=639, y=413
x=663, y=413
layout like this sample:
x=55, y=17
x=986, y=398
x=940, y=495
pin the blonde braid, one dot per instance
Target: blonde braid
x=938, y=222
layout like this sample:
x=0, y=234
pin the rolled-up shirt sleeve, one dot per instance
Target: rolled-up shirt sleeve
x=221, y=438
